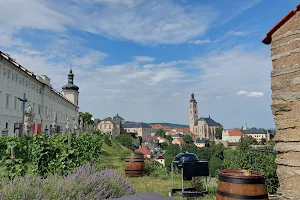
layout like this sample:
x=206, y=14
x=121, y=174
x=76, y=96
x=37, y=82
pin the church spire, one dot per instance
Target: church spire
x=70, y=77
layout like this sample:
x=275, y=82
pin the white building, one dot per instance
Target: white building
x=232, y=136
x=15, y=80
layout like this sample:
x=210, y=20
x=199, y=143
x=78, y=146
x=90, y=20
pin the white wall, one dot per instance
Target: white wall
x=13, y=83
x=231, y=139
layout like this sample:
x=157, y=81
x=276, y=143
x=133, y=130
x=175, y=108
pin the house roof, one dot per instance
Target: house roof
x=177, y=135
x=143, y=150
x=31, y=74
x=234, y=132
x=118, y=117
x=184, y=130
x=181, y=141
x=155, y=138
x=158, y=126
x=254, y=131
x=160, y=157
x=200, y=141
x=268, y=38
x=209, y=121
x=135, y=125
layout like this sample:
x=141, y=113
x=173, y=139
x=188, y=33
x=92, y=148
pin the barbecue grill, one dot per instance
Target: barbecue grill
x=190, y=167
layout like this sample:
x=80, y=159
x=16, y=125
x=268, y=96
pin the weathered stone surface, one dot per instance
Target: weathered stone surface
x=285, y=54
x=285, y=70
x=287, y=135
x=277, y=86
x=287, y=147
x=287, y=96
x=291, y=159
x=285, y=41
x=291, y=43
x=292, y=59
x=292, y=24
x=277, y=109
x=289, y=179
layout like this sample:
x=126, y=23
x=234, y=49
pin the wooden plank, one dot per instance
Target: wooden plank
x=145, y=196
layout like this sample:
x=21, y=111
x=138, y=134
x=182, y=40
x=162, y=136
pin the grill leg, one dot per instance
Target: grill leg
x=182, y=183
x=172, y=175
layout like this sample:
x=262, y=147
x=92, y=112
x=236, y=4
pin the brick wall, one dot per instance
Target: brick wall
x=285, y=77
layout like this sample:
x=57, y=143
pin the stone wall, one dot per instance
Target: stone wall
x=285, y=76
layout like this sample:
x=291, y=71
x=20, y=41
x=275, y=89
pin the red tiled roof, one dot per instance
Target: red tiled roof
x=185, y=130
x=154, y=138
x=144, y=151
x=181, y=140
x=158, y=126
x=268, y=38
x=234, y=132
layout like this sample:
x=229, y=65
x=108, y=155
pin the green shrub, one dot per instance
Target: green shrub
x=155, y=169
x=106, y=140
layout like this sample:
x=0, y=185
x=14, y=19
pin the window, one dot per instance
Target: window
x=8, y=74
x=7, y=100
x=15, y=103
x=46, y=110
x=39, y=109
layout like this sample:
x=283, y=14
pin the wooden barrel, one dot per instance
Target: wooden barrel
x=134, y=165
x=234, y=184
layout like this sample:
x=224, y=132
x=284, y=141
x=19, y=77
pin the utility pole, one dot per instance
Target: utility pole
x=24, y=100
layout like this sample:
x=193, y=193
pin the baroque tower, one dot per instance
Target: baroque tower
x=70, y=91
x=193, y=113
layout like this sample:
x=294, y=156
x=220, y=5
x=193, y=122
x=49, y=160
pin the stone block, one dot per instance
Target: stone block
x=289, y=59
x=287, y=135
x=289, y=159
x=279, y=108
x=287, y=96
x=286, y=39
x=287, y=147
x=285, y=69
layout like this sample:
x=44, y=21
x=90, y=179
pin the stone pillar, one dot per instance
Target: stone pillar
x=285, y=85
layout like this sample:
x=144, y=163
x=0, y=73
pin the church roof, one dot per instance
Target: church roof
x=118, y=117
x=209, y=121
x=70, y=87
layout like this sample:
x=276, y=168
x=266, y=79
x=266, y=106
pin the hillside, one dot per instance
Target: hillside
x=170, y=125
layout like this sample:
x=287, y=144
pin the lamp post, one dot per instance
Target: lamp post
x=24, y=100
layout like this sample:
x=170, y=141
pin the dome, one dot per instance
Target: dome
x=70, y=87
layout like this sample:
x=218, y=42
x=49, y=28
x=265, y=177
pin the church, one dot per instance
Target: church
x=204, y=128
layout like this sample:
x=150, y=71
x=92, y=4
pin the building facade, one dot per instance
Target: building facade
x=15, y=81
x=116, y=126
x=284, y=38
x=204, y=128
x=232, y=136
x=258, y=134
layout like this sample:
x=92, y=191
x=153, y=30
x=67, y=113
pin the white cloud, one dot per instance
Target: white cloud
x=144, y=59
x=200, y=41
x=237, y=33
x=250, y=94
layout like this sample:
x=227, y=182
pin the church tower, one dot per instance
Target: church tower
x=70, y=91
x=193, y=112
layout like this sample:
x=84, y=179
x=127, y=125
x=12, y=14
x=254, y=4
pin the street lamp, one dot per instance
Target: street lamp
x=24, y=100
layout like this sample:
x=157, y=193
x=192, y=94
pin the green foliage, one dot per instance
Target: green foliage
x=160, y=132
x=188, y=139
x=169, y=138
x=246, y=142
x=171, y=151
x=106, y=140
x=87, y=117
x=43, y=154
x=219, y=133
x=155, y=169
x=125, y=140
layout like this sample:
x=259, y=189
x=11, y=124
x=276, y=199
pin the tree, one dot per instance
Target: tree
x=125, y=140
x=219, y=133
x=169, y=138
x=87, y=117
x=245, y=142
x=171, y=151
x=160, y=132
x=188, y=139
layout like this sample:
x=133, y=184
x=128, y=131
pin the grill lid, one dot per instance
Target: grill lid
x=185, y=157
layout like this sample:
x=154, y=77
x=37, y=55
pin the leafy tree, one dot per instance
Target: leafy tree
x=219, y=133
x=125, y=140
x=246, y=142
x=160, y=132
x=106, y=139
x=169, y=138
x=171, y=151
x=87, y=117
x=188, y=139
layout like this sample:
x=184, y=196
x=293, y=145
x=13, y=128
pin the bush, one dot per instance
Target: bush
x=85, y=183
x=155, y=169
x=106, y=140
x=125, y=140
x=44, y=155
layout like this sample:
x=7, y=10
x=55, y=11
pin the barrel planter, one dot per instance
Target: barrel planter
x=134, y=165
x=236, y=184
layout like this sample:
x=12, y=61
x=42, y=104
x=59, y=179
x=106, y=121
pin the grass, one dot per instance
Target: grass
x=113, y=157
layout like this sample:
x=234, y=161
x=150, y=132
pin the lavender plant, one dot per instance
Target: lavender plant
x=84, y=184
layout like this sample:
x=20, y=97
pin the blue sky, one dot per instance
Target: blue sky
x=143, y=58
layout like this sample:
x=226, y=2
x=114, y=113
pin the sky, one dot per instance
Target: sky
x=142, y=59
